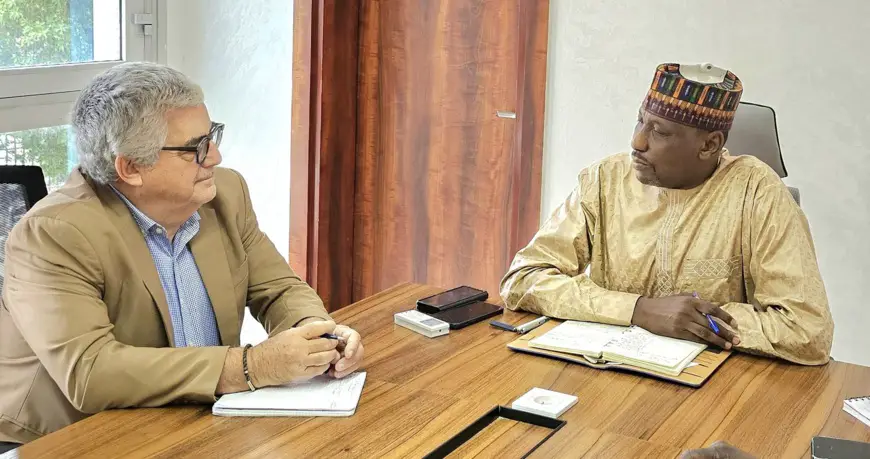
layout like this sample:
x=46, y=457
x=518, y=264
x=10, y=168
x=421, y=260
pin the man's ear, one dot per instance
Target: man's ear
x=713, y=144
x=128, y=171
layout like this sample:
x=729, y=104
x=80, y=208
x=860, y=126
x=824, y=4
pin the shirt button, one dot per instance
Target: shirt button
x=159, y=230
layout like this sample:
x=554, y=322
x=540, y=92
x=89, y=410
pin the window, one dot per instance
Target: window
x=52, y=148
x=52, y=32
x=49, y=49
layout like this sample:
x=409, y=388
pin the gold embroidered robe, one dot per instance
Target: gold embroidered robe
x=738, y=240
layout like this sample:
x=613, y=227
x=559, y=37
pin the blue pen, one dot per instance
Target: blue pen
x=331, y=336
x=709, y=319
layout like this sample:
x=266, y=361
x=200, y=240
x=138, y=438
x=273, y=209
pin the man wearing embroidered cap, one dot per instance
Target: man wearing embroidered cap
x=679, y=229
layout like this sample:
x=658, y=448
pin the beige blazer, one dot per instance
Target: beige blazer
x=84, y=324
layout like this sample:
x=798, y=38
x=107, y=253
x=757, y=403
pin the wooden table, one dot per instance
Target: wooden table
x=421, y=391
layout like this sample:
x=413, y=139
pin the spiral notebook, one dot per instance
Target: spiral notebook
x=858, y=407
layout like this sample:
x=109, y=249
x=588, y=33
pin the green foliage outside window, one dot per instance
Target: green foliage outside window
x=36, y=32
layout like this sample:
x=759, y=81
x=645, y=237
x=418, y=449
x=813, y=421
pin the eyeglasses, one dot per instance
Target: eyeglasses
x=201, y=148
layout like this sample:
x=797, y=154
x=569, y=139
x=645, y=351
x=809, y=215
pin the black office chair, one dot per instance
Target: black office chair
x=754, y=133
x=20, y=188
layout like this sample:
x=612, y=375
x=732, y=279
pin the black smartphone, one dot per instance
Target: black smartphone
x=465, y=315
x=451, y=299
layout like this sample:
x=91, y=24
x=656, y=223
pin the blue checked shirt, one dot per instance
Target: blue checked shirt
x=193, y=321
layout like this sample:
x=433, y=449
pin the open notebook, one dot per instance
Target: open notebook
x=634, y=346
x=320, y=396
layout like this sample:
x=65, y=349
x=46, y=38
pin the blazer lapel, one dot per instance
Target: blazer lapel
x=210, y=255
x=142, y=259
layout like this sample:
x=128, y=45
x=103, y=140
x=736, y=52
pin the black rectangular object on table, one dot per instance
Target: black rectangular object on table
x=450, y=299
x=835, y=448
x=481, y=423
x=465, y=315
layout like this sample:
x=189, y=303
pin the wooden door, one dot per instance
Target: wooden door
x=435, y=192
x=449, y=137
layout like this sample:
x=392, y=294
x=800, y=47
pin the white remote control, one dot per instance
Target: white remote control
x=421, y=323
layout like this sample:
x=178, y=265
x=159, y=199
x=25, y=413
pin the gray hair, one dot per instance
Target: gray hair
x=121, y=113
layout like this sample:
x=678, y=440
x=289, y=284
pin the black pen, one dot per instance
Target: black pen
x=331, y=336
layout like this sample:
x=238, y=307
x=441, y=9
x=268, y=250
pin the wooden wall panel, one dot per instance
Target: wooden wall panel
x=336, y=163
x=300, y=135
x=528, y=146
x=323, y=159
x=446, y=190
x=367, y=164
x=401, y=170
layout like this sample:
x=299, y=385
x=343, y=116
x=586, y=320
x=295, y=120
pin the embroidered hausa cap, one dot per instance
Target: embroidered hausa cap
x=702, y=96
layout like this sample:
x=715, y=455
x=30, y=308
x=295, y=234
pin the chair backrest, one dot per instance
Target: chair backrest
x=754, y=133
x=20, y=188
x=29, y=177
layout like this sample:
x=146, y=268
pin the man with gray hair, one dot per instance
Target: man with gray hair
x=127, y=287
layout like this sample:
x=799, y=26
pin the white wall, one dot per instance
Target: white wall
x=805, y=58
x=241, y=53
